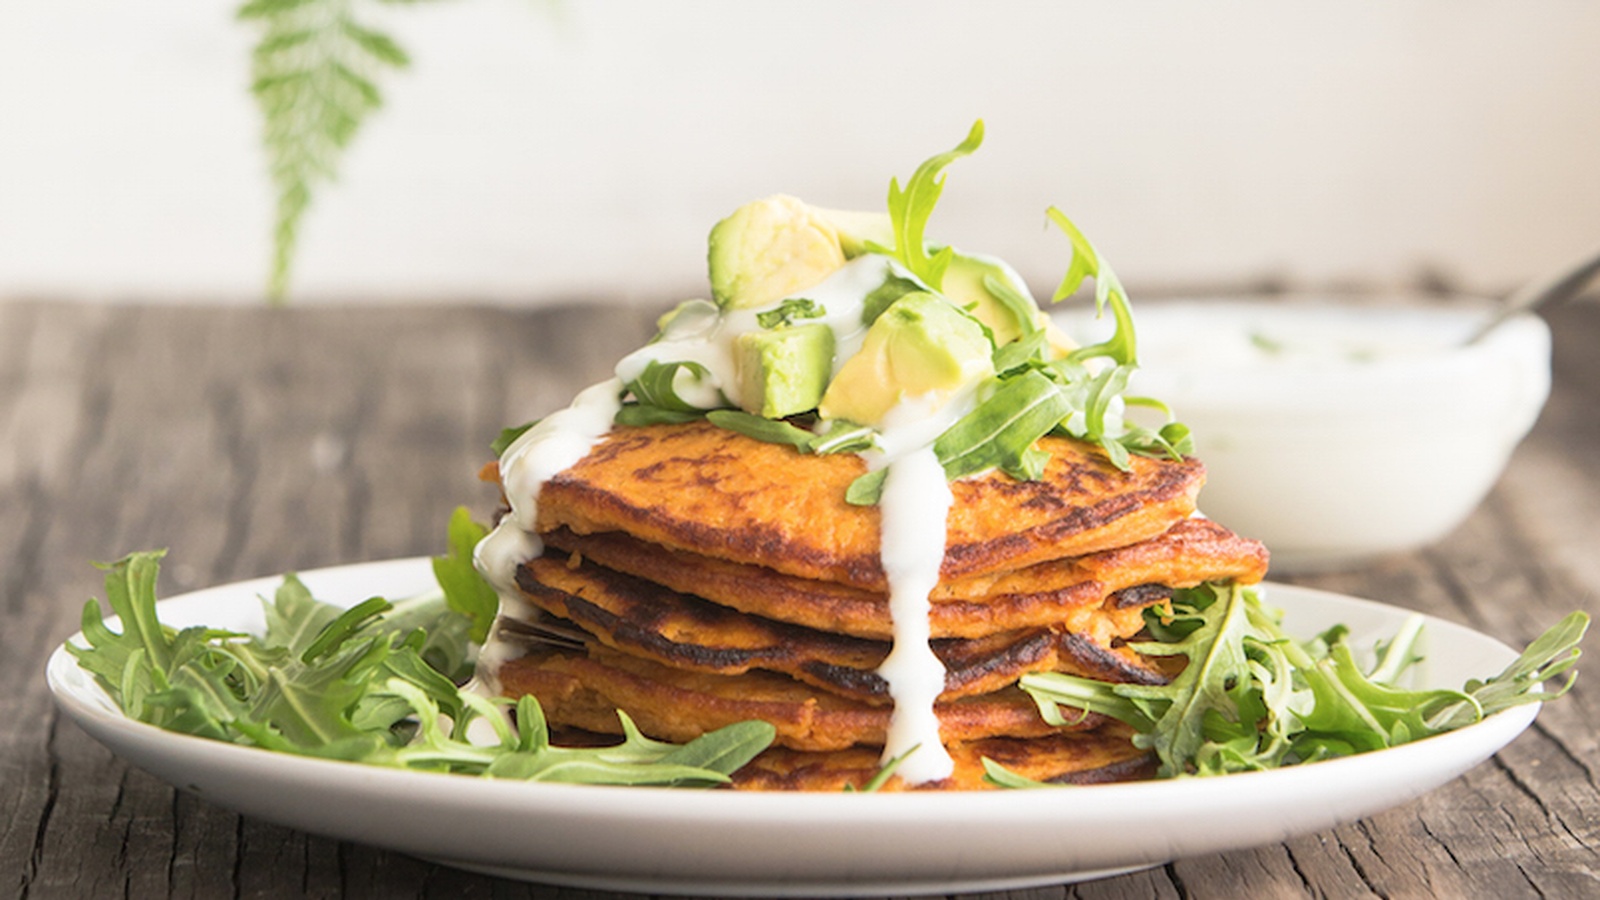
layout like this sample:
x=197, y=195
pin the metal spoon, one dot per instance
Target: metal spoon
x=1553, y=291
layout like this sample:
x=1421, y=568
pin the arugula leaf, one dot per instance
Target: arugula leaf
x=654, y=386
x=910, y=208
x=771, y=431
x=508, y=436
x=354, y=685
x=886, y=772
x=295, y=618
x=441, y=643
x=1086, y=263
x=1002, y=430
x=308, y=702
x=841, y=436
x=866, y=490
x=127, y=581
x=635, y=413
x=1002, y=777
x=1172, y=438
x=1025, y=351
x=1250, y=697
x=466, y=591
x=844, y=437
x=1021, y=307
x=788, y=311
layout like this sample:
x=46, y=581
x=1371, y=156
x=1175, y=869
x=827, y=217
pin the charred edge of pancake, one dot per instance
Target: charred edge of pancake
x=637, y=632
x=1140, y=768
x=858, y=684
x=1197, y=536
x=1089, y=659
x=964, y=669
x=1140, y=595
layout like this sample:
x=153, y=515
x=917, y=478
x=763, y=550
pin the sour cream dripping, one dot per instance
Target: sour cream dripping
x=914, y=510
x=542, y=452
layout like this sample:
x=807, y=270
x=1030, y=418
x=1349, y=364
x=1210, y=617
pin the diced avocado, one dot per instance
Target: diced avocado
x=920, y=345
x=770, y=249
x=1010, y=312
x=783, y=372
x=857, y=229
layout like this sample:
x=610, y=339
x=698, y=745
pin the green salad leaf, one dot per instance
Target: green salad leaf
x=1086, y=263
x=841, y=436
x=910, y=208
x=636, y=413
x=466, y=591
x=368, y=684
x=788, y=311
x=771, y=431
x=508, y=436
x=1249, y=697
x=654, y=386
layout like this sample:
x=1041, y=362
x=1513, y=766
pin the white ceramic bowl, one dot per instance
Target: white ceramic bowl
x=1336, y=429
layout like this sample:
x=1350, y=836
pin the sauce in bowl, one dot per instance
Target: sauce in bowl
x=1336, y=429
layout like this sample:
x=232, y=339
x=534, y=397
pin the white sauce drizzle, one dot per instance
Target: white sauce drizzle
x=915, y=504
x=542, y=452
x=915, y=508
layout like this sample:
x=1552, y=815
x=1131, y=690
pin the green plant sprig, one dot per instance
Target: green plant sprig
x=910, y=207
x=314, y=74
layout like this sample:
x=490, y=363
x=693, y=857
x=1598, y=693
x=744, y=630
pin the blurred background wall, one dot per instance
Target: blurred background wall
x=536, y=152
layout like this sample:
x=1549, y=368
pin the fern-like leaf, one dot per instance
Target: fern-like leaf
x=313, y=74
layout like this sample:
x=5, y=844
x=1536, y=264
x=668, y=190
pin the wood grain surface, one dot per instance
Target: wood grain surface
x=254, y=441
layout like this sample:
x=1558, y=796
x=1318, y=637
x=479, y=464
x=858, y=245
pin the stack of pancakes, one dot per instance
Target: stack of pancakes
x=694, y=577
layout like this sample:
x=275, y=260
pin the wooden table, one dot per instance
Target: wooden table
x=256, y=441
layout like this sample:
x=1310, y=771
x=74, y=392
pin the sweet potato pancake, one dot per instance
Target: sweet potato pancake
x=1067, y=592
x=714, y=492
x=694, y=578
x=678, y=630
x=585, y=690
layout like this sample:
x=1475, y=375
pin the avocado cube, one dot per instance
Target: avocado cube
x=921, y=346
x=784, y=372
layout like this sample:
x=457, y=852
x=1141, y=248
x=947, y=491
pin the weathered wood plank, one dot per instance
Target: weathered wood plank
x=258, y=441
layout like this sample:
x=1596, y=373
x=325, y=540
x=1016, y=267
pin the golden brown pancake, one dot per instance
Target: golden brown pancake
x=585, y=690
x=678, y=630
x=717, y=493
x=1106, y=754
x=1068, y=594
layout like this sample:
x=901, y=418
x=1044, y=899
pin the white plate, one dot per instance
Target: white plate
x=721, y=842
